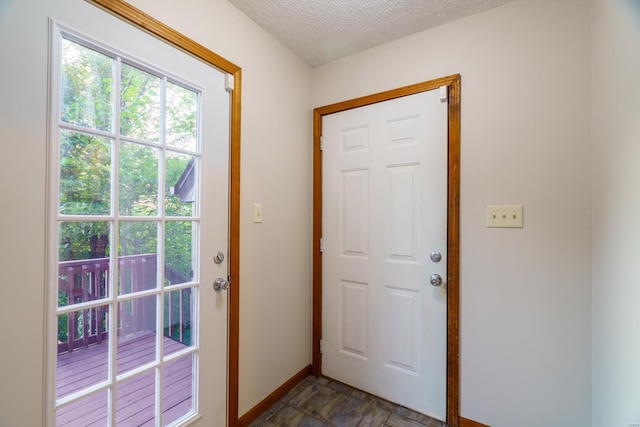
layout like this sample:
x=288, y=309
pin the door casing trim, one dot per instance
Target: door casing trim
x=453, y=83
x=135, y=16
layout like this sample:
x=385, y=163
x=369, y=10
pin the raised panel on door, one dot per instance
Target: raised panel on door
x=402, y=330
x=354, y=319
x=404, y=212
x=354, y=221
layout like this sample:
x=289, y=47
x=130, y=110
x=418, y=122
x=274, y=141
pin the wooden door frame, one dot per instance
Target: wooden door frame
x=453, y=228
x=135, y=16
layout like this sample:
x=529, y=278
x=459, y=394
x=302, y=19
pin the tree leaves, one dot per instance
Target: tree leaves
x=87, y=176
x=139, y=104
x=87, y=87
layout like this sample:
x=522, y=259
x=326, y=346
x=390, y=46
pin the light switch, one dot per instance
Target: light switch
x=504, y=216
x=257, y=212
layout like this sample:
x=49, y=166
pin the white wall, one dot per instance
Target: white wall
x=525, y=294
x=276, y=171
x=616, y=211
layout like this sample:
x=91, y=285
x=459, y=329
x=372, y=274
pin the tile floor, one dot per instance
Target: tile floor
x=319, y=402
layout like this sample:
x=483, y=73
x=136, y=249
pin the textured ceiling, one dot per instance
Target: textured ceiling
x=320, y=31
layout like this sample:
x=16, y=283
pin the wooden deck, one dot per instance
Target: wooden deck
x=135, y=398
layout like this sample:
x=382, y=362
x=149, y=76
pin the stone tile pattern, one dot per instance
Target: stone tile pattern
x=318, y=402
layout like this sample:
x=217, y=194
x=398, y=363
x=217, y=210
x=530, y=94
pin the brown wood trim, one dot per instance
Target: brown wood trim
x=136, y=17
x=453, y=232
x=387, y=95
x=234, y=254
x=268, y=401
x=317, y=234
x=453, y=258
x=470, y=423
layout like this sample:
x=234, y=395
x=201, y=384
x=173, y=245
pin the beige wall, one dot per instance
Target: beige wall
x=525, y=294
x=616, y=209
x=276, y=171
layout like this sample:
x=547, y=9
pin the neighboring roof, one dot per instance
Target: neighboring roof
x=186, y=185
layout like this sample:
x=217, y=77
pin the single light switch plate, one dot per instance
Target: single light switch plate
x=504, y=216
x=257, y=212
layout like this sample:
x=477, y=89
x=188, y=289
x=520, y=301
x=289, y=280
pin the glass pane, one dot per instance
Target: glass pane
x=85, y=174
x=177, y=387
x=82, y=349
x=137, y=256
x=136, y=333
x=83, y=270
x=135, y=400
x=178, y=252
x=177, y=320
x=138, y=180
x=91, y=410
x=181, y=113
x=140, y=104
x=181, y=178
x=87, y=87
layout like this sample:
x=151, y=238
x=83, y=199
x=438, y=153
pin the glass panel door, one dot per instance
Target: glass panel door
x=127, y=228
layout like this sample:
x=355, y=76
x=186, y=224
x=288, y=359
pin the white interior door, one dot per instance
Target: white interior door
x=384, y=213
x=138, y=208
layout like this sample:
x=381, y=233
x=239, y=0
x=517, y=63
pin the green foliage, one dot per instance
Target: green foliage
x=87, y=89
x=83, y=240
x=86, y=176
x=63, y=321
x=181, y=117
x=138, y=180
x=138, y=238
x=85, y=160
x=180, y=321
x=178, y=254
x=139, y=104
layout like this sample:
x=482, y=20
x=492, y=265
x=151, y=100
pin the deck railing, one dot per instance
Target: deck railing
x=87, y=280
